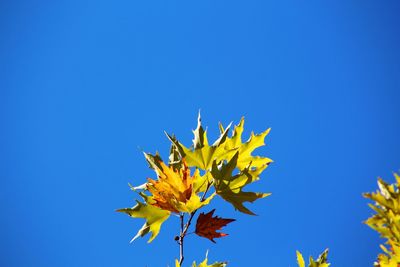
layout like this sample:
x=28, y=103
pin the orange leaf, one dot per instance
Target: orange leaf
x=171, y=187
x=207, y=225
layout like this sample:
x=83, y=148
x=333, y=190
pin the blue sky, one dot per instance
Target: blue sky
x=85, y=86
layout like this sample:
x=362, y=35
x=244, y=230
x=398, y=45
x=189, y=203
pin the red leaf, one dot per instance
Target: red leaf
x=207, y=225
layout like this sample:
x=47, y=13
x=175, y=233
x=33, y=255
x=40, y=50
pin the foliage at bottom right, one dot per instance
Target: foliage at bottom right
x=386, y=221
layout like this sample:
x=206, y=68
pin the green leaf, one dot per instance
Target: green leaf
x=230, y=186
x=201, y=182
x=153, y=161
x=175, y=159
x=200, y=137
x=154, y=217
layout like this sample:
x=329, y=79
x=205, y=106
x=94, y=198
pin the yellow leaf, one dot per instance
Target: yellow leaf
x=205, y=263
x=386, y=221
x=202, y=155
x=322, y=260
x=153, y=215
x=201, y=182
x=300, y=259
x=246, y=149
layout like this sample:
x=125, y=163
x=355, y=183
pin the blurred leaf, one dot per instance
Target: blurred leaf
x=386, y=221
x=300, y=260
x=322, y=260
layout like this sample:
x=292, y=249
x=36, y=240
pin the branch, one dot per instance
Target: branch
x=185, y=228
x=180, y=240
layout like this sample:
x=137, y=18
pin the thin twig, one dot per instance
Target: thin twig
x=185, y=228
x=181, y=236
x=194, y=212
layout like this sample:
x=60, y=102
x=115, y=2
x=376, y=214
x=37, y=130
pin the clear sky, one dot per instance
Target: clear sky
x=86, y=85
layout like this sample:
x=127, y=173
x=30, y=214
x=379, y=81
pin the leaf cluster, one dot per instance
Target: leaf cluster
x=194, y=175
x=386, y=220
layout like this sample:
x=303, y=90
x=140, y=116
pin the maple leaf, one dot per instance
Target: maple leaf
x=173, y=190
x=175, y=159
x=202, y=155
x=207, y=225
x=202, y=182
x=322, y=260
x=230, y=187
x=231, y=150
x=154, y=217
x=234, y=143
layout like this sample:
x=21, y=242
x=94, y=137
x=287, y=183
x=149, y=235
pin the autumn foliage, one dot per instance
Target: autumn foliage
x=386, y=221
x=194, y=175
